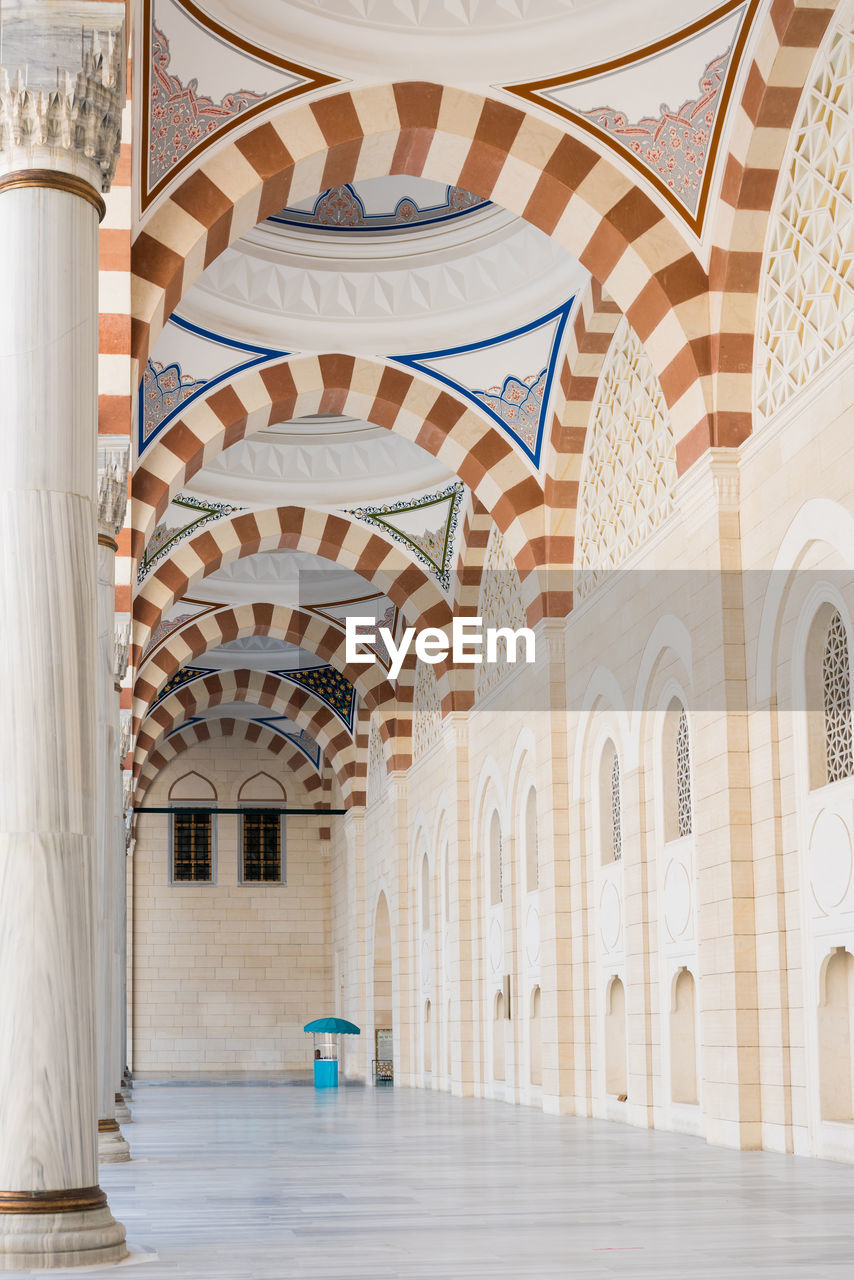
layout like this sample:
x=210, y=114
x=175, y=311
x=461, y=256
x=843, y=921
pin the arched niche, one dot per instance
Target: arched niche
x=536, y=1038
x=683, y=1039
x=261, y=788
x=616, y=1077
x=498, y=1037
x=834, y=1037
x=192, y=787
x=428, y=1038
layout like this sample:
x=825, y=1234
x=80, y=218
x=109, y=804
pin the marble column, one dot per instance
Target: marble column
x=112, y=504
x=127, y=955
x=121, y=649
x=123, y=726
x=59, y=141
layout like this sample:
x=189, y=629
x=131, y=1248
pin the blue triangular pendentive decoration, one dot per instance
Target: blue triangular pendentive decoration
x=327, y=684
x=180, y=678
x=519, y=393
x=166, y=388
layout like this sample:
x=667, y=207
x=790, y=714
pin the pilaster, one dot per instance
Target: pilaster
x=404, y=986
x=709, y=498
x=555, y=870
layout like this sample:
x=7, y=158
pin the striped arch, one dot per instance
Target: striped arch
x=558, y=183
x=244, y=731
x=264, y=690
x=596, y=319
x=210, y=631
x=779, y=73
x=334, y=537
x=397, y=399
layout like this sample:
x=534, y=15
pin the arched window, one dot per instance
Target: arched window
x=678, y=802
x=610, y=805
x=836, y=699
x=425, y=893
x=683, y=776
x=532, y=864
x=496, y=869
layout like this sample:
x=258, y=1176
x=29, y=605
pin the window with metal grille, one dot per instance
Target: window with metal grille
x=262, y=846
x=836, y=682
x=192, y=845
x=616, y=811
x=683, y=777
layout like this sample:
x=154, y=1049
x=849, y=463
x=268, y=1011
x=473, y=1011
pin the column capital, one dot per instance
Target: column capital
x=113, y=464
x=61, y=95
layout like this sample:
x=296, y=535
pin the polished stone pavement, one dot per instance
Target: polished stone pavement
x=232, y=1182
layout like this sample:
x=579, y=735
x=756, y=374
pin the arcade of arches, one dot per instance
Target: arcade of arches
x=541, y=313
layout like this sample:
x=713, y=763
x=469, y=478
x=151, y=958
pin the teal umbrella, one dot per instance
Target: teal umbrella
x=332, y=1026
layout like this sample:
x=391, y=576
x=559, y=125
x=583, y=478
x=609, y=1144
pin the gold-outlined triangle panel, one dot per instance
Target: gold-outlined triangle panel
x=179, y=120
x=677, y=151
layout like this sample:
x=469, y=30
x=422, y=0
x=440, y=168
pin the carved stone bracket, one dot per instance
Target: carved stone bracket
x=125, y=736
x=113, y=464
x=122, y=649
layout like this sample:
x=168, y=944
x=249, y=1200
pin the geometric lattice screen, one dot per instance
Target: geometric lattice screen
x=836, y=688
x=629, y=467
x=806, y=308
x=616, y=810
x=683, y=777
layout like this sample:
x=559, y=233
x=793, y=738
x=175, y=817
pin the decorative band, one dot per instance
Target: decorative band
x=59, y=181
x=108, y=1126
x=118, y=688
x=104, y=540
x=76, y=1201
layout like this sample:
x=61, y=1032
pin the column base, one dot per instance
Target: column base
x=112, y=1146
x=35, y=1241
x=123, y=1114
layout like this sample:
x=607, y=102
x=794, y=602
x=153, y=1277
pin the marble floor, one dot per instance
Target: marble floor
x=277, y=1182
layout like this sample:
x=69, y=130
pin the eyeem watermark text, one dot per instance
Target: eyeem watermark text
x=465, y=645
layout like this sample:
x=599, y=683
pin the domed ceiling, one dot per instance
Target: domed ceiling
x=391, y=204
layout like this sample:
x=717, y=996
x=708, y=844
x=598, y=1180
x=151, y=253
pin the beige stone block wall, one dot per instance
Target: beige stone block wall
x=226, y=975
